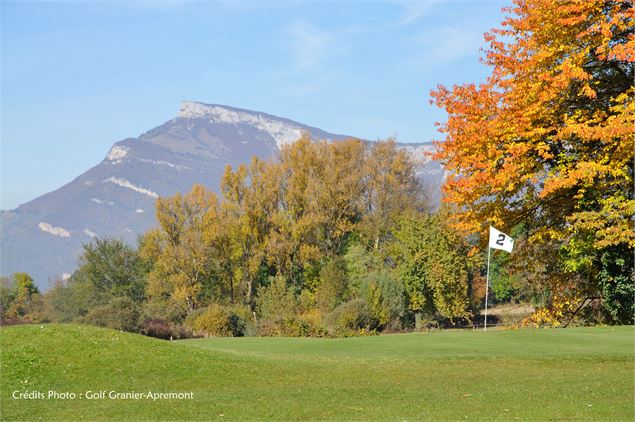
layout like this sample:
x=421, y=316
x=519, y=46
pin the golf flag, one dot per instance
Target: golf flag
x=500, y=240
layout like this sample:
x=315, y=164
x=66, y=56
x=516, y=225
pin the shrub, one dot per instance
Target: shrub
x=214, y=321
x=351, y=318
x=290, y=327
x=385, y=296
x=121, y=313
x=167, y=310
x=276, y=301
x=241, y=321
x=313, y=321
x=191, y=318
x=70, y=300
x=277, y=305
x=165, y=330
x=333, y=285
x=307, y=301
x=222, y=321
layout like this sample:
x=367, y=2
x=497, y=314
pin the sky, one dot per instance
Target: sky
x=78, y=76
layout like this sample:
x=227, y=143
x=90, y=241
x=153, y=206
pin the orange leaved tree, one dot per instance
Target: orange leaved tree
x=547, y=142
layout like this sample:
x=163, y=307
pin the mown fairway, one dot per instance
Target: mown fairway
x=557, y=374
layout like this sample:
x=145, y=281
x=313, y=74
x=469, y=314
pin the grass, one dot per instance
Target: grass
x=556, y=374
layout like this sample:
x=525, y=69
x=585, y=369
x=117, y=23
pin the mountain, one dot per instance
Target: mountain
x=116, y=198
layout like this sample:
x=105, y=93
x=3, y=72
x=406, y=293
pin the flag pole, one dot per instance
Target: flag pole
x=487, y=286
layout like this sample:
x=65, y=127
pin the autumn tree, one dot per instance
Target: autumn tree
x=320, y=191
x=250, y=198
x=19, y=298
x=547, y=140
x=290, y=219
x=178, y=252
x=391, y=188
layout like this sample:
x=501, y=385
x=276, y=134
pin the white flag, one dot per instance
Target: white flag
x=500, y=240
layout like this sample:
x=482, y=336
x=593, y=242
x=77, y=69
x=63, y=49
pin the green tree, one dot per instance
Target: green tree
x=617, y=283
x=7, y=295
x=432, y=261
x=113, y=269
x=70, y=300
x=333, y=287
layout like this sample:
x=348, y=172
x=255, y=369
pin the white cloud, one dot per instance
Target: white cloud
x=313, y=45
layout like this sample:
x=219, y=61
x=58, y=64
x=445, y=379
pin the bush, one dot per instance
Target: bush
x=385, y=296
x=290, y=327
x=333, y=285
x=276, y=301
x=121, y=313
x=352, y=318
x=167, y=310
x=191, y=318
x=221, y=321
x=70, y=300
x=241, y=321
x=165, y=330
x=277, y=306
x=213, y=322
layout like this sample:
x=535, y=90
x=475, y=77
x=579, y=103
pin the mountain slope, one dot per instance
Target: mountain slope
x=116, y=197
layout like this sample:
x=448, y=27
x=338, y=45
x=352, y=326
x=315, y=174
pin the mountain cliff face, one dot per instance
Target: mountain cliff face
x=116, y=198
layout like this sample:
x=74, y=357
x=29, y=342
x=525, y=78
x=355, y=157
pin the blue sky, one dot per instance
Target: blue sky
x=78, y=76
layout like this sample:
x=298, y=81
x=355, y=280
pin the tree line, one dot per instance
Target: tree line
x=328, y=238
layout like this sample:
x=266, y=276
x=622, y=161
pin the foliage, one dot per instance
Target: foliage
x=178, y=251
x=165, y=330
x=120, y=313
x=163, y=309
x=277, y=306
x=433, y=265
x=20, y=299
x=617, y=283
x=70, y=300
x=333, y=287
x=504, y=285
x=7, y=295
x=547, y=139
x=277, y=300
x=385, y=296
x=113, y=269
x=351, y=318
x=220, y=321
x=214, y=321
x=288, y=242
x=360, y=261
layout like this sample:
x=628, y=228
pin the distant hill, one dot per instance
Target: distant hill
x=116, y=198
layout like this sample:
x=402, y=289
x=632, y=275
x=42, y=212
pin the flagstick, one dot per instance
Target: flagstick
x=487, y=287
